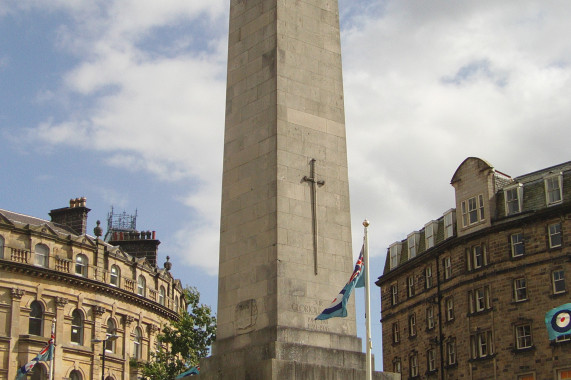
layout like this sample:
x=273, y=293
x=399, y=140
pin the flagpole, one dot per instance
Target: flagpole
x=53, y=349
x=367, y=302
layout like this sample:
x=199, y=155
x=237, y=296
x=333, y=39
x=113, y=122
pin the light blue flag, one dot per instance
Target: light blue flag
x=558, y=321
x=45, y=355
x=191, y=372
x=338, y=307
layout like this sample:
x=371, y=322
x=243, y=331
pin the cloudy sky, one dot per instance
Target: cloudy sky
x=122, y=101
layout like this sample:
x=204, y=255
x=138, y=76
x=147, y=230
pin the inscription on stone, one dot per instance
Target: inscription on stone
x=246, y=314
x=313, y=311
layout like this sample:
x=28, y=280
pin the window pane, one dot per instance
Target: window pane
x=36, y=319
x=558, y=281
x=555, y=235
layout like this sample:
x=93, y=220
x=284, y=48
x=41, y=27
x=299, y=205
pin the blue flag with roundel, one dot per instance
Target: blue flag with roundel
x=45, y=355
x=338, y=307
x=558, y=321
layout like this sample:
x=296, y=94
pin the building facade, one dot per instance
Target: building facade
x=465, y=297
x=99, y=297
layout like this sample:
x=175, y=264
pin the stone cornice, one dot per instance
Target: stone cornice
x=86, y=283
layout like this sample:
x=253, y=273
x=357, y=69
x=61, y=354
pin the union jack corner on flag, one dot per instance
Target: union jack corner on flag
x=338, y=307
x=45, y=355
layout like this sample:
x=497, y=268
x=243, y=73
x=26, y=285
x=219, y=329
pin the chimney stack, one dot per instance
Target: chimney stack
x=74, y=216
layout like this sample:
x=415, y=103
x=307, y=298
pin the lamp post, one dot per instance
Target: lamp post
x=104, y=341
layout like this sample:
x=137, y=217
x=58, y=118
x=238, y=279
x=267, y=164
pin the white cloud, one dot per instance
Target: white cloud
x=428, y=85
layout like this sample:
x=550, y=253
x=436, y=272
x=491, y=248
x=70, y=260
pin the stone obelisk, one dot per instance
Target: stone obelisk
x=285, y=239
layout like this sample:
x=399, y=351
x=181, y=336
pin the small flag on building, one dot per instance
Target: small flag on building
x=338, y=307
x=191, y=372
x=45, y=355
x=558, y=321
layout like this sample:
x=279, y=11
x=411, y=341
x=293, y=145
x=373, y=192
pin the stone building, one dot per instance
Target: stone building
x=53, y=271
x=465, y=297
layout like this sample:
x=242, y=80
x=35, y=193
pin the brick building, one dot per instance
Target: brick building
x=54, y=271
x=465, y=297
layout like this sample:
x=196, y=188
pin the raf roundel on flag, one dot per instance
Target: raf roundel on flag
x=558, y=321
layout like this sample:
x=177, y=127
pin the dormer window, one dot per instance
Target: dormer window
x=448, y=224
x=553, y=189
x=473, y=210
x=412, y=241
x=513, y=197
x=430, y=230
x=394, y=254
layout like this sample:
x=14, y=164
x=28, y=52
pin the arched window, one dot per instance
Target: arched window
x=176, y=304
x=141, y=286
x=36, y=318
x=115, y=275
x=162, y=295
x=39, y=372
x=81, y=263
x=1, y=247
x=77, y=327
x=182, y=303
x=137, y=343
x=111, y=329
x=75, y=375
x=42, y=253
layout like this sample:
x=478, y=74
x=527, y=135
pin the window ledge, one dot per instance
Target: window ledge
x=555, y=295
x=451, y=366
x=555, y=343
x=523, y=350
x=481, y=312
x=482, y=358
x=514, y=302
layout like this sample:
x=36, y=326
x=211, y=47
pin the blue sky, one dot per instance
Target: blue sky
x=122, y=102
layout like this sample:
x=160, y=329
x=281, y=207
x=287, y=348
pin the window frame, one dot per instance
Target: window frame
x=36, y=318
x=517, y=242
x=519, y=286
x=428, y=279
x=412, y=249
x=77, y=316
x=394, y=293
x=449, y=224
x=397, y=365
x=115, y=277
x=430, y=317
x=396, y=332
x=412, y=325
x=555, y=281
x=81, y=265
x=41, y=259
x=410, y=290
x=451, y=352
x=431, y=360
x=137, y=343
x=110, y=331
x=522, y=336
x=549, y=190
x=480, y=299
x=473, y=211
x=555, y=233
x=162, y=295
x=447, y=263
x=510, y=200
x=142, y=286
x=75, y=375
x=449, y=309
x=430, y=238
x=413, y=364
x=394, y=255
x=481, y=344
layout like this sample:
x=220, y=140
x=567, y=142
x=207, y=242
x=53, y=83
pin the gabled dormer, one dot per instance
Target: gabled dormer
x=475, y=183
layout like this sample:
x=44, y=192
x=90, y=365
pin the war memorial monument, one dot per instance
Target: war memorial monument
x=285, y=235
